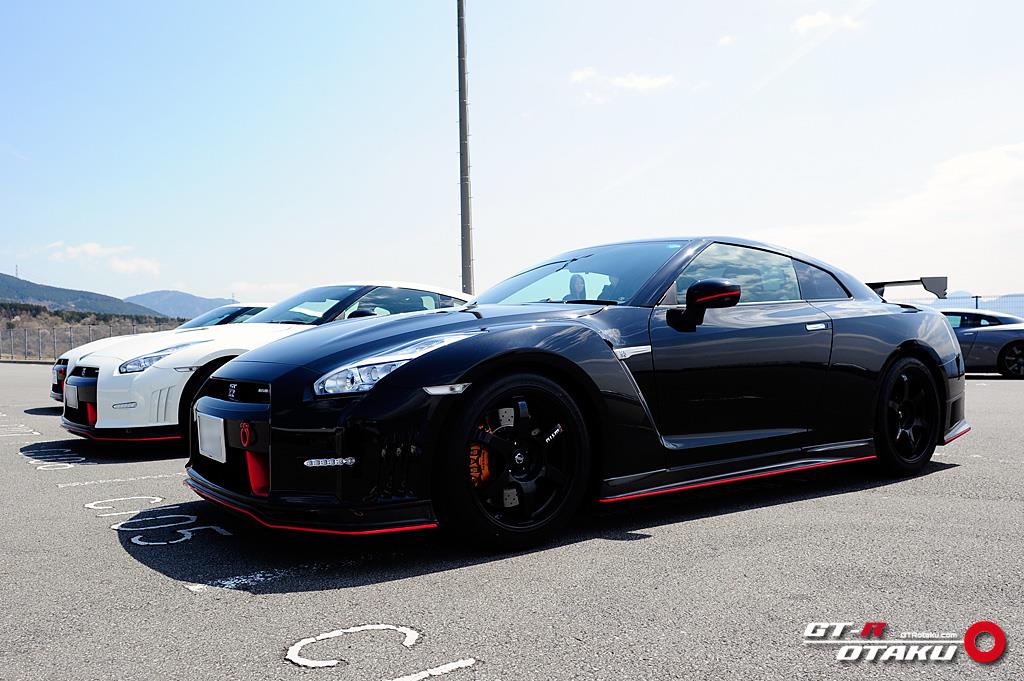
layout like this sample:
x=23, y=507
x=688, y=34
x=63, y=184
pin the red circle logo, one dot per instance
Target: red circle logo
x=971, y=639
x=245, y=433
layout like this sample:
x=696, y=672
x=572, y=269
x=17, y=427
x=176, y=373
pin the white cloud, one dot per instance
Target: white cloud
x=823, y=20
x=727, y=40
x=599, y=88
x=583, y=75
x=134, y=265
x=109, y=255
x=957, y=223
x=643, y=82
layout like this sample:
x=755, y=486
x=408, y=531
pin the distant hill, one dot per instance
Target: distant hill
x=177, y=303
x=23, y=291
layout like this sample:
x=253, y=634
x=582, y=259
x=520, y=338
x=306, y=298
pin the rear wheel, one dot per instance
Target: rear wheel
x=516, y=465
x=908, y=419
x=1011, y=361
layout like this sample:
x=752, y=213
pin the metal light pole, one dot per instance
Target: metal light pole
x=467, y=213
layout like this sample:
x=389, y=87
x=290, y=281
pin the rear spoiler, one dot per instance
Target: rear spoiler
x=934, y=285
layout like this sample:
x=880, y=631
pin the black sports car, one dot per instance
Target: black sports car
x=618, y=372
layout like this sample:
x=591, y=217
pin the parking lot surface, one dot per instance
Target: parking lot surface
x=112, y=569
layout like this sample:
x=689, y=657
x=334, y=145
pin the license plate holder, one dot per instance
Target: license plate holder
x=71, y=396
x=212, y=443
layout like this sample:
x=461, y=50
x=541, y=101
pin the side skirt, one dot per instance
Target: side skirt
x=816, y=457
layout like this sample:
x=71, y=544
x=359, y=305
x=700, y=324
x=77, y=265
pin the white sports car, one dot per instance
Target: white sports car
x=232, y=313
x=142, y=388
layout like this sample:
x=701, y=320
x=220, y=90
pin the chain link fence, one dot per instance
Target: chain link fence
x=49, y=343
x=1012, y=304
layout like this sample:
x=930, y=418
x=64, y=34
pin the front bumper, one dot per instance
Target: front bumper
x=347, y=466
x=318, y=514
x=87, y=420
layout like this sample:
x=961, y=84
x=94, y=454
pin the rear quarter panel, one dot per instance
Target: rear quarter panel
x=868, y=335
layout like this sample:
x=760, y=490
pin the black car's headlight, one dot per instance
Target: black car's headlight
x=363, y=374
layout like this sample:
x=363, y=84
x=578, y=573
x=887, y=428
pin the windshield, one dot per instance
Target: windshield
x=308, y=307
x=215, y=316
x=611, y=274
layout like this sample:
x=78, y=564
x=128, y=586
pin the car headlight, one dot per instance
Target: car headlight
x=363, y=374
x=144, y=362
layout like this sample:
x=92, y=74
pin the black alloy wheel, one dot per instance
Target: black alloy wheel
x=516, y=467
x=1011, y=361
x=908, y=422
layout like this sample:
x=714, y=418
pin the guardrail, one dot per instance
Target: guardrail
x=50, y=342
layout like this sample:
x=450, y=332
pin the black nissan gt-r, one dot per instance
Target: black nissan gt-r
x=614, y=372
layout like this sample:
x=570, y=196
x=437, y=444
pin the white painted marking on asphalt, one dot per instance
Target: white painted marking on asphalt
x=294, y=653
x=438, y=671
x=186, y=534
x=240, y=581
x=62, y=485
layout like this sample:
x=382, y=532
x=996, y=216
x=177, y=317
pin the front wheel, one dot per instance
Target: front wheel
x=1011, y=361
x=515, y=467
x=908, y=419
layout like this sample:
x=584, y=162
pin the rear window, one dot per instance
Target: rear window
x=817, y=284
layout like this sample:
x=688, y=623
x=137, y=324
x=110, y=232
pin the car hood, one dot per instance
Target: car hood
x=246, y=335
x=355, y=338
x=79, y=351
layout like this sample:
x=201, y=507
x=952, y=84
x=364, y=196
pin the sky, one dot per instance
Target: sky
x=257, y=148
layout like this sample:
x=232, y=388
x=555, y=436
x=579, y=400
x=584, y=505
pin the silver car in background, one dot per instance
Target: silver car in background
x=990, y=341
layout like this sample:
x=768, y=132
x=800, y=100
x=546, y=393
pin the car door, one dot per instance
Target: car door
x=748, y=374
x=964, y=330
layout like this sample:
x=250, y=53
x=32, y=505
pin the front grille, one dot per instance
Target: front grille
x=238, y=391
x=86, y=372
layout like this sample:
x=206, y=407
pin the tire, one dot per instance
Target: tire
x=908, y=420
x=1011, y=361
x=516, y=464
x=189, y=392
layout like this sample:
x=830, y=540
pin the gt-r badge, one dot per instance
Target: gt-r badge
x=232, y=388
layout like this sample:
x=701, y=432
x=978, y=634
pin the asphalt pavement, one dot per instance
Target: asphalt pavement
x=111, y=569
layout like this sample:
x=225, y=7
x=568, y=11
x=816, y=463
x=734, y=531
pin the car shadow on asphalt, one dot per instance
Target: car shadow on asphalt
x=257, y=560
x=88, y=452
x=55, y=410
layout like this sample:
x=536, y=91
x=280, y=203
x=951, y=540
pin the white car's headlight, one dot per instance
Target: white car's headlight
x=363, y=374
x=144, y=362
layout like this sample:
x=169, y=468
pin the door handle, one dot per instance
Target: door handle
x=817, y=326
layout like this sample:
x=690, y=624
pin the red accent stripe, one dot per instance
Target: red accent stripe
x=90, y=413
x=386, y=530
x=723, y=481
x=718, y=295
x=946, y=442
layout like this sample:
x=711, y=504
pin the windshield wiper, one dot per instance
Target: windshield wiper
x=592, y=301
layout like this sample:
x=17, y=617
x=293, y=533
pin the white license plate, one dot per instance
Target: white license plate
x=71, y=396
x=211, y=438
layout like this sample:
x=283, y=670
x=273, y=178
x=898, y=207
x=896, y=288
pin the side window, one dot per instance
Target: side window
x=817, y=284
x=969, y=321
x=448, y=301
x=989, y=321
x=384, y=301
x=954, y=320
x=762, y=276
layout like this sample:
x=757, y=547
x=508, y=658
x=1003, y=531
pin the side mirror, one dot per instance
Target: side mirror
x=356, y=314
x=701, y=296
